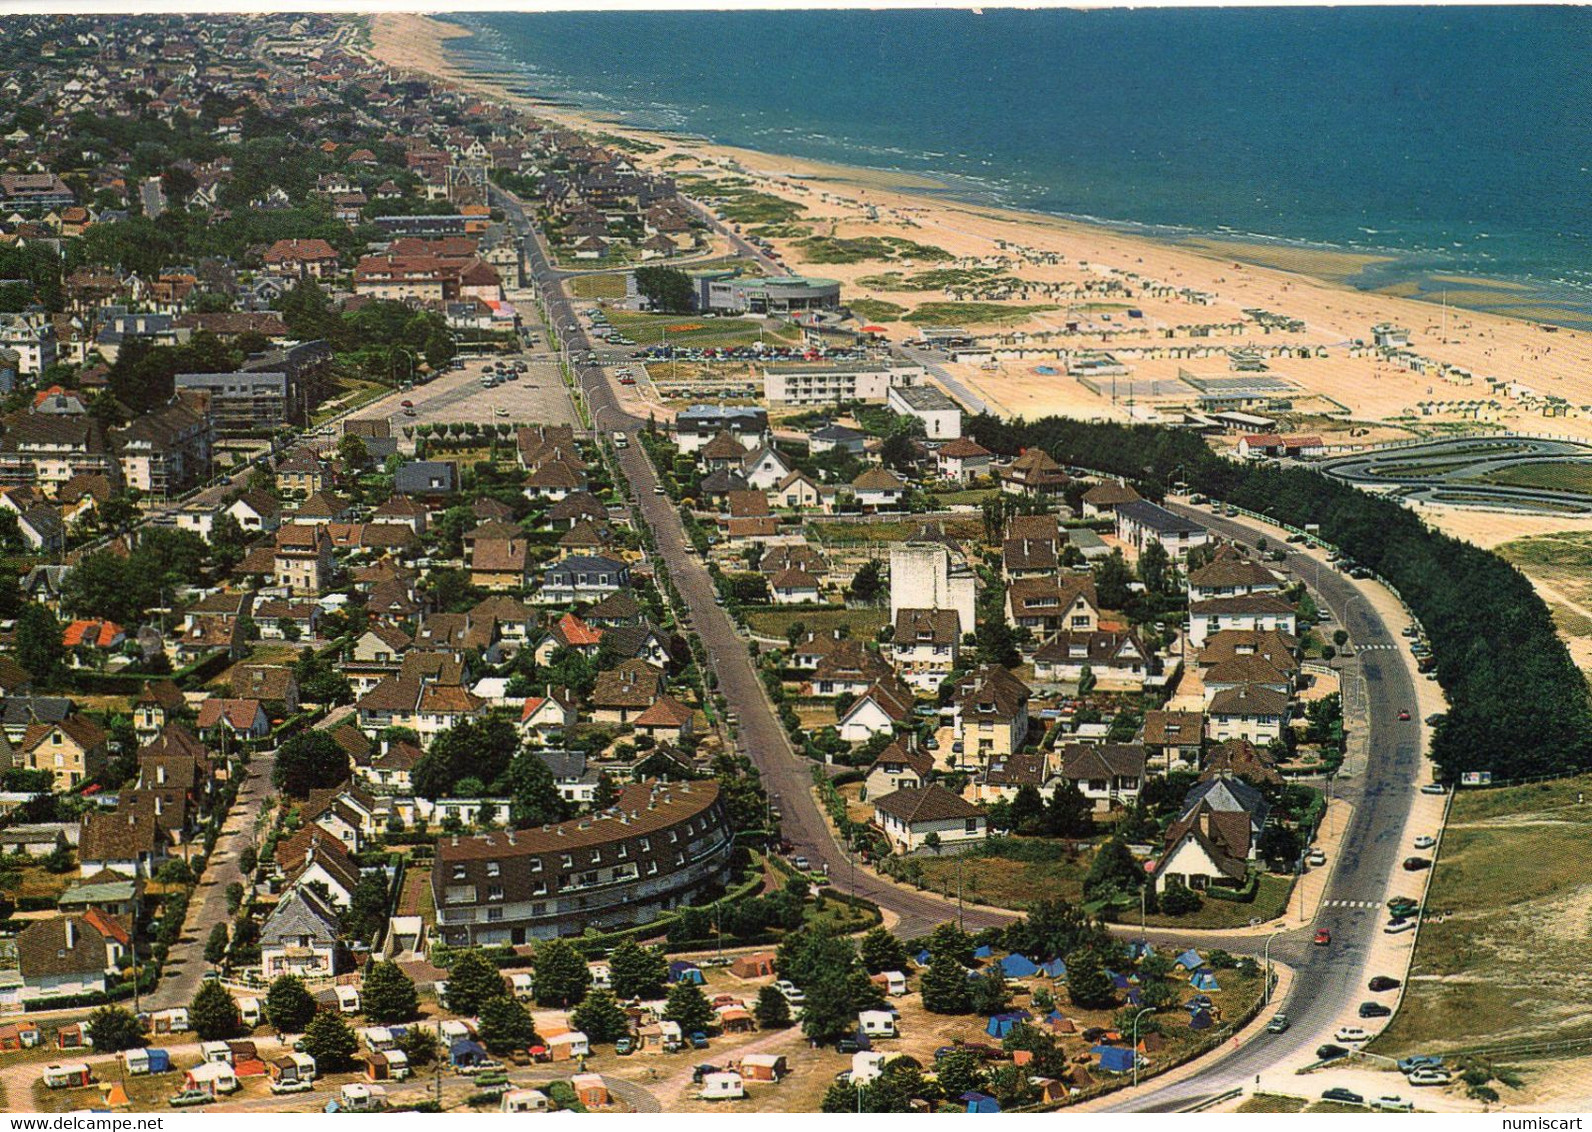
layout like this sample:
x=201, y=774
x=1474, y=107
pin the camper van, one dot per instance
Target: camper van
x=249, y=1010
x=877, y=1023
x=725, y=1086
x=347, y=1000
x=362, y=1098
x=524, y=1100
x=523, y=985
x=72, y=1075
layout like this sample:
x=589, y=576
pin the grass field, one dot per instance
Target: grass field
x=1504, y=960
x=1271, y=899
x=863, y=623
x=974, y=314
x=876, y=310
x=888, y=530
x=1549, y=475
x=686, y=330
x=1005, y=883
x=1273, y=1102
x=1563, y=561
x=610, y=286
x=861, y=249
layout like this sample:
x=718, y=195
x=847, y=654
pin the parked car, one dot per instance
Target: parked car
x=1384, y=983
x=1434, y=788
x=1392, y=1104
x=1323, y=937
x=698, y=1040
x=624, y=1047
x=1416, y=864
x=1398, y=927
x=1404, y=716
x=1316, y=857
x=847, y=1046
x=1352, y=1034
x=190, y=1097
x=1429, y=1077
x=1342, y=1096
x=1418, y=1061
x=281, y=1088
x=1425, y=842
x=1278, y=1024
x=1375, y=1010
x=800, y=864
x=1330, y=1052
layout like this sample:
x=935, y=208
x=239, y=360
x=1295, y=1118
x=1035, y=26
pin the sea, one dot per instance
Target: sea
x=1455, y=143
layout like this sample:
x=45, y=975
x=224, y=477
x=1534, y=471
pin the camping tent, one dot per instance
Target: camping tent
x=1055, y=968
x=1018, y=967
x=1114, y=1059
x=984, y=952
x=1002, y=1024
x=466, y=1052
x=1190, y=959
x=1204, y=980
x=681, y=971
x=1059, y=1023
x=1200, y=1020
x=979, y=1102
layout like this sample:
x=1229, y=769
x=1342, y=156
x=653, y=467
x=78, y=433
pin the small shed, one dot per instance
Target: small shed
x=757, y=966
x=590, y=1089
x=1019, y=967
x=684, y=971
x=1114, y=1059
x=213, y=1077
x=465, y=1052
x=764, y=1066
x=723, y=1086
x=877, y=1023
x=71, y=1075
x=979, y=1102
x=524, y=1100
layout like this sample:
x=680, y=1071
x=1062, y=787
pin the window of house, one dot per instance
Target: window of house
x=493, y=868
x=494, y=914
x=494, y=892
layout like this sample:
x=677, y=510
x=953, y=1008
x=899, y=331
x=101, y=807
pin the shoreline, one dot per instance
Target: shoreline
x=1326, y=261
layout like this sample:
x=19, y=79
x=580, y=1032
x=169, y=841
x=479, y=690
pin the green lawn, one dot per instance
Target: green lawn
x=1506, y=962
x=834, y=533
x=598, y=286
x=1549, y=475
x=863, y=623
x=688, y=330
x=974, y=314
x=1005, y=883
x=1273, y=1102
x=1271, y=899
x=876, y=310
x=861, y=249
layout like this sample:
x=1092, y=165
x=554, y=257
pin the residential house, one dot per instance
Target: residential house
x=300, y=937
x=963, y=459
x=900, y=766
x=1117, y=660
x=1261, y=612
x=581, y=579
x=928, y=817
x=991, y=714
x=1109, y=775
x=926, y=646
x=795, y=586
x=1102, y=500
x=1141, y=522
x=74, y=750
x=303, y=560
x=64, y=956
x=625, y=692
x=881, y=707
x=878, y=489
x=546, y=719
x=1046, y=606
x=1249, y=711
x=1173, y=739
x=1034, y=473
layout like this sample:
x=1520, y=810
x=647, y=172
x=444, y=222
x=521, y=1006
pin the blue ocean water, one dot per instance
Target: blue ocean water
x=1459, y=139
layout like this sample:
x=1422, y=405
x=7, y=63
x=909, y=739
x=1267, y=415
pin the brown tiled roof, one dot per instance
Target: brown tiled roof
x=633, y=684
x=1029, y=554
x=1109, y=494
x=921, y=762
x=928, y=626
x=116, y=836
x=1173, y=728
x=666, y=711
x=647, y=808
x=1249, y=699
x=1244, y=670
x=1243, y=603
x=926, y=803
x=43, y=952
x=262, y=682
x=1229, y=569
x=1102, y=760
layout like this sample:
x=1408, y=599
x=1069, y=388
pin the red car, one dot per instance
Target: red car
x=1404, y=717
x=1323, y=937
x=407, y=404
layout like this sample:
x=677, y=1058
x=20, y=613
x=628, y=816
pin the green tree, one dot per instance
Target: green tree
x=867, y=584
x=366, y=913
x=960, y=1071
x=988, y=993
x=881, y=951
x=636, y=971
x=388, y=995
x=773, y=1010
x=289, y=1006
x=950, y=940
x=533, y=794
x=1177, y=899
x=687, y=1007
x=330, y=1042
x=944, y=986
x=114, y=1029
x=213, y=1013
x=216, y=945
x=833, y=1000
x=561, y=975
x=472, y=980
x=1028, y=810
x=1155, y=567
x=38, y=644
x=1113, y=580
x=1113, y=872
x=600, y=1017
x=666, y=289
x=1069, y=813
x=310, y=760
x=506, y=1025
x=1088, y=985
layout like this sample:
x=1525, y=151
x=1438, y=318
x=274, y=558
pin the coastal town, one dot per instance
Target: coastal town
x=481, y=632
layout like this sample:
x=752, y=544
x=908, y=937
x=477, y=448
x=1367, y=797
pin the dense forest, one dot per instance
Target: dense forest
x=1519, y=705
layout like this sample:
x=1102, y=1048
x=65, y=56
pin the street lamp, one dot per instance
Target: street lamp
x=1136, y=1017
x=1266, y=957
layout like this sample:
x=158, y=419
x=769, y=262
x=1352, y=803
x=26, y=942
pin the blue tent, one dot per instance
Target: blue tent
x=1121, y=982
x=1204, y=980
x=1134, y=997
x=1002, y=1024
x=1018, y=967
x=979, y=1102
x=681, y=971
x=1055, y=968
x=922, y=958
x=1140, y=948
x=984, y=952
x=1190, y=959
x=1201, y=1020
x=1114, y=1059
x=466, y=1052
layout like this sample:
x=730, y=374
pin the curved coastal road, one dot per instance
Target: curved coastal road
x=1451, y=471
x=1327, y=979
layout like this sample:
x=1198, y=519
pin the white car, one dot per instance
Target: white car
x=1398, y=927
x=1430, y=1075
x=1425, y=842
x=1316, y=857
x=1392, y=1104
x=1352, y=1034
x=793, y=993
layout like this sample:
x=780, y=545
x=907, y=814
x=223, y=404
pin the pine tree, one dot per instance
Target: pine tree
x=289, y=1006
x=114, y=1029
x=881, y=951
x=216, y=945
x=561, y=975
x=472, y=980
x=213, y=1013
x=389, y=995
x=944, y=986
x=330, y=1042
x=1088, y=985
x=687, y=1007
x=773, y=1010
x=506, y=1025
x=600, y=1017
x=636, y=971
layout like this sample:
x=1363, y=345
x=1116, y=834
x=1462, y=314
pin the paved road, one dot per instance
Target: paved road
x=1329, y=979
x=153, y=196
x=185, y=963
